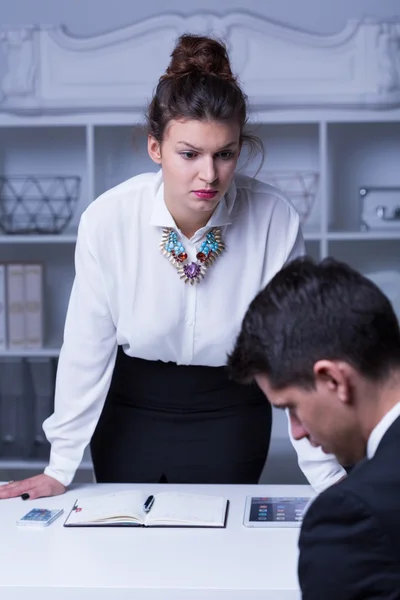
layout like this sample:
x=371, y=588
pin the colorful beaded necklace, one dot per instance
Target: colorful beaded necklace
x=209, y=250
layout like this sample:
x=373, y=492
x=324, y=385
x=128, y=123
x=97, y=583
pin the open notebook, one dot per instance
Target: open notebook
x=168, y=509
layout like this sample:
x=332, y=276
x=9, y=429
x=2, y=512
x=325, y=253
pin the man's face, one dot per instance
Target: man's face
x=321, y=416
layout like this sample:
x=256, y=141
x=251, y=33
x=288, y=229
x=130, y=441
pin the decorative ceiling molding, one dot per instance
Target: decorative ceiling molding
x=47, y=70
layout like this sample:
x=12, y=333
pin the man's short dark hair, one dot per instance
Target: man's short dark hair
x=309, y=312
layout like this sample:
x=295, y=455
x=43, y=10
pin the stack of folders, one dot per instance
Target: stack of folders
x=26, y=384
x=26, y=400
x=21, y=306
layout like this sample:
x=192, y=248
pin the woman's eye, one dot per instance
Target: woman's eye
x=227, y=155
x=188, y=154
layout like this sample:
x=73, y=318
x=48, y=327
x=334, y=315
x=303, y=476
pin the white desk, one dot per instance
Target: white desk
x=236, y=563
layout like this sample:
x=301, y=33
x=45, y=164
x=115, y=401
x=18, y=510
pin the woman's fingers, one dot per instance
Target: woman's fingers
x=38, y=486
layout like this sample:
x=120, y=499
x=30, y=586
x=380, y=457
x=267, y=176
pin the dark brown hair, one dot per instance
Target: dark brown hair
x=199, y=84
x=309, y=312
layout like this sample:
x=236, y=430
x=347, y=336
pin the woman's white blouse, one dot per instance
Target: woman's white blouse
x=127, y=293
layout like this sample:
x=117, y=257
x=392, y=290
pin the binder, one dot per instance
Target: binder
x=16, y=410
x=16, y=306
x=33, y=305
x=42, y=374
x=3, y=324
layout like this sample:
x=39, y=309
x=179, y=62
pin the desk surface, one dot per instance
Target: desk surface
x=236, y=563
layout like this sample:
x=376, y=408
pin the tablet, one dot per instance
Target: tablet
x=274, y=511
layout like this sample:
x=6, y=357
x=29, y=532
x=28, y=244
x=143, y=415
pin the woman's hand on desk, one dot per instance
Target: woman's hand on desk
x=36, y=487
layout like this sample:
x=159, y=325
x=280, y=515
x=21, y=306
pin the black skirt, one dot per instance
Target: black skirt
x=163, y=422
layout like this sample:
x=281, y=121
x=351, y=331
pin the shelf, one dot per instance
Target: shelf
x=308, y=235
x=71, y=238
x=363, y=235
x=362, y=254
x=352, y=236
x=136, y=118
x=312, y=235
x=15, y=463
x=313, y=248
x=120, y=153
x=28, y=352
x=49, y=152
x=359, y=155
x=38, y=239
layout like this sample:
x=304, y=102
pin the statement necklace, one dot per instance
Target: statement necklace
x=209, y=250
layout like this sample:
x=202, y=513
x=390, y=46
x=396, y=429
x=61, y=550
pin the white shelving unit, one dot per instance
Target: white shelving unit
x=333, y=107
x=347, y=156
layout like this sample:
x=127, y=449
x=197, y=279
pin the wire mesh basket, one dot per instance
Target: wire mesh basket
x=301, y=187
x=37, y=204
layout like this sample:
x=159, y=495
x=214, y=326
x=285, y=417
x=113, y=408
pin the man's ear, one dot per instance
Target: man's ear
x=154, y=149
x=334, y=377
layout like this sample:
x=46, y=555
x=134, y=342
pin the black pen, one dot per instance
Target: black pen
x=148, y=504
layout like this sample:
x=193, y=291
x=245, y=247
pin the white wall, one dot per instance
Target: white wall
x=87, y=17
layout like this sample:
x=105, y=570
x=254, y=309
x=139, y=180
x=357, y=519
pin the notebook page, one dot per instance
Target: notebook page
x=181, y=508
x=108, y=506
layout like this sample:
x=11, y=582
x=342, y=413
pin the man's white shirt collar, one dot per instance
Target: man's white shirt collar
x=379, y=431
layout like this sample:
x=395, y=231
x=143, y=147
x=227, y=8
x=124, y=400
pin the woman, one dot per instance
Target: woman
x=166, y=266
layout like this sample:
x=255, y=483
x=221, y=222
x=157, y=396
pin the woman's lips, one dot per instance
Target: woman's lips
x=205, y=194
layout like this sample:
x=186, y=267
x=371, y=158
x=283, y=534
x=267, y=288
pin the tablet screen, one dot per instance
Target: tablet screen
x=269, y=510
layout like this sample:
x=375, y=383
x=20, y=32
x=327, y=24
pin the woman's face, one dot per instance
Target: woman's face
x=198, y=160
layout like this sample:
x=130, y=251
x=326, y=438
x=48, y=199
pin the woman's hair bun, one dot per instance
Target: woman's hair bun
x=204, y=55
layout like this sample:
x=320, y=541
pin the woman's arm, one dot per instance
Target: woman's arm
x=85, y=365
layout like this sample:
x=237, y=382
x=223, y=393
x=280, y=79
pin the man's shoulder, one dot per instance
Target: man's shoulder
x=350, y=537
x=365, y=486
x=331, y=506
x=365, y=503
x=345, y=548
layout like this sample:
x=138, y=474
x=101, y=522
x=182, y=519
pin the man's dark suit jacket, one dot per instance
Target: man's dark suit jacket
x=350, y=538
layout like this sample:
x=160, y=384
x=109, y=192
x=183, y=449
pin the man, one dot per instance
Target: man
x=323, y=342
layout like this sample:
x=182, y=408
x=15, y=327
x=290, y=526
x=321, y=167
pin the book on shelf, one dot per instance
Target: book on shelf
x=141, y=509
x=26, y=401
x=15, y=306
x=23, y=313
x=42, y=373
x=3, y=325
x=33, y=305
x=15, y=413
